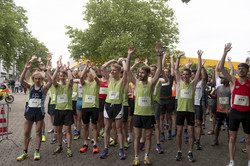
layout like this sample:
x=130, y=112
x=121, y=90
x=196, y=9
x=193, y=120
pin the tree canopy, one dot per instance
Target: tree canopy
x=114, y=25
x=17, y=45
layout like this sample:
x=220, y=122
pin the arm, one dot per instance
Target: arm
x=98, y=82
x=49, y=81
x=203, y=74
x=164, y=59
x=54, y=78
x=158, y=49
x=105, y=70
x=177, y=73
x=84, y=72
x=137, y=61
x=231, y=66
x=125, y=75
x=197, y=75
x=227, y=48
x=189, y=64
x=26, y=68
x=145, y=62
x=131, y=77
x=172, y=64
x=70, y=77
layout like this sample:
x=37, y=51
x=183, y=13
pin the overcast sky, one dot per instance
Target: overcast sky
x=203, y=24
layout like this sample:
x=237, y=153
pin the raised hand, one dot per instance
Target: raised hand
x=200, y=52
x=137, y=61
x=171, y=56
x=131, y=50
x=247, y=61
x=39, y=59
x=165, y=54
x=158, y=48
x=59, y=65
x=120, y=59
x=28, y=64
x=68, y=64
x=145, y=62
x=228, y=47
x=33, y=58
x=49, y=57
x=88, y=63
x=181, y=54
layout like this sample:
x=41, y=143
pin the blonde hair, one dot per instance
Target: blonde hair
x=117, y=66
x=37, y=73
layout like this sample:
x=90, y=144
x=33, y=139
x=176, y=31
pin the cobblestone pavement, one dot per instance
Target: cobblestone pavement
x=216, y=156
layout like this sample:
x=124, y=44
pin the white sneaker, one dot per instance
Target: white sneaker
x=129, y=139
x=231, y=164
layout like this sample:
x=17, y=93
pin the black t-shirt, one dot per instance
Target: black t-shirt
x=210, y=86
x=166, y=88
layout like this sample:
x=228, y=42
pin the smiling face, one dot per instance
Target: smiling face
x=186, y=75
x=167, y=72
x=142, y=75
x=152, y=71
x=63, y=76
x=115, y=71
x=242, y=71
x=37, y=78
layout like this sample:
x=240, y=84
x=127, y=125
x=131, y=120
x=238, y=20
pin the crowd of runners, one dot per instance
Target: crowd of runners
x=125, y=106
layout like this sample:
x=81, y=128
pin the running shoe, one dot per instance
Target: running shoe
x=122, y=154
x=58, y=150
x=77, y=136
x=159, y=149
x=104, y=154
x=112, y=143
x=69, y=152
x=203, y=126
x=54, y=140
x=36, y=155
x=84, y=148
x=95, y=149
x=215, y=142
x=231, y=164
x=23, y=156
x=191, y=157
x=244, y=150
x=129, y=139
x=169, y=136
x=43, y=138
x=65, y=140
x=162, y=138
x=186, y=134
x=242, y=140
x=178, y=156
x=51, y=131
x=198, y=145
x=101, y=133
x=75, y=131
x=142, y=146
x=136, y=162
x=175, y=133
x=126, y=145
x=211, y=132
x=210, y=119
x=146, y=161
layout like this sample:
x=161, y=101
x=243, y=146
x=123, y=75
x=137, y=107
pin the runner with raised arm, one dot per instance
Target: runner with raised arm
x=35, y=110
x=240, y=111
x=185, y=108
x=144, y=116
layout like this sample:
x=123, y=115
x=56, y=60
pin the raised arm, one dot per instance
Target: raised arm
x=164, y=59
x=197, y=75
x=231, y=66
x=70, y=77
x=49, y=81
x=131, y=77
x=98, y=82
x=177, y=73
x=189, y=64
x=84, y=72
x=26, y=68
x=158, y=49
x=105, y=70
x=227, y=48
x=125, y=75
x=172, y=64
x=54, y=78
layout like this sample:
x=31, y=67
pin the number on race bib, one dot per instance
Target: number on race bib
x=241, y=100
x=144, y=101
x=186, y=93
x=62, y=99
x=74, y=94
x=103, y=90
x=89, y=99
x=114, y=95
x=224, y=100
x=35, y=103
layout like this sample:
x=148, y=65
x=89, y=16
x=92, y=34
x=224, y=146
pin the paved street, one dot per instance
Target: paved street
x=216, y=156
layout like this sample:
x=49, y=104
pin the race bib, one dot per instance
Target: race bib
x=165, y=84
x=197, y=95
x=144, y=101
x=80, y=94
x=209, y=88
x=89, y=99
x=103, y=90
x=35, y=103
x=114, y=95
x=62, y=98
x=241, y=100
x=224, y=100
x=186, y=93
x=54, y=97
x=74, y=94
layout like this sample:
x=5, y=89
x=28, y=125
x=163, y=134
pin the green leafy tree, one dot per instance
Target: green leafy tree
x=114, y=25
